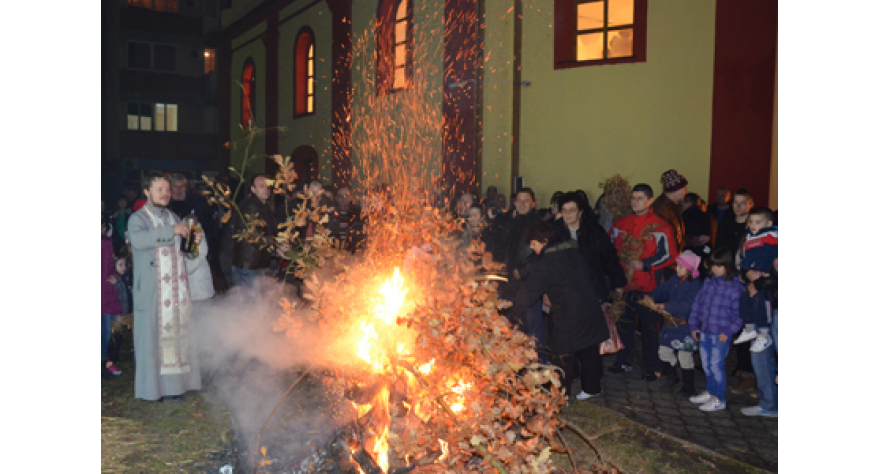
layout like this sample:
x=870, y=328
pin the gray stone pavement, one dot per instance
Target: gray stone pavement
x=752, y=440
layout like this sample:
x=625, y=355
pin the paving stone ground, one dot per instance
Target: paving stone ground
x=752, y=440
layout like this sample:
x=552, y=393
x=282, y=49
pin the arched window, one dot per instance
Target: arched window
x=394, y=45
x=304, y=73
x=248, y=92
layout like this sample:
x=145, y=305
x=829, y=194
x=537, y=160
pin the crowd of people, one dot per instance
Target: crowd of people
x=691, y=279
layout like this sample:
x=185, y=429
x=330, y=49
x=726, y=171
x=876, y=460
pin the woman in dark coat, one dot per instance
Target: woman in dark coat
x=577, y=324
x=579, y=223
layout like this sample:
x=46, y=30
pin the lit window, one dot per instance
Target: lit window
x=157, y=5
x=401, y=43
x=248, y=92
x=599, y=32
x=150, y=116
x=209, y=61
x=394, y=46
x=304, y=74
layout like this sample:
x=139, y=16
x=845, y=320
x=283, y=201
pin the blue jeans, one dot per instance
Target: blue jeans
x=774, y=329
x=106, y=320
x=713, y=352
x=764, y=363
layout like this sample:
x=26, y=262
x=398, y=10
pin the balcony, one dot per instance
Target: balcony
x=169, y=146
x=160, y=83
x=172, y=23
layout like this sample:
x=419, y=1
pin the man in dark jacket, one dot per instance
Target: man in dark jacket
x=248, y=259
x=346, y=223
x=577, y=324
x=594, y=244
x=517, y=257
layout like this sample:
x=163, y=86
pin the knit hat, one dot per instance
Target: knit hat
x=672, y=181
x=691, y=261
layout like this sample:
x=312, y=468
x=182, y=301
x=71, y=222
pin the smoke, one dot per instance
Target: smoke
x=247, y=368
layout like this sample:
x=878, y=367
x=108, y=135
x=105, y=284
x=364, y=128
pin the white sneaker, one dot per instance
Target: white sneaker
x=713, y=405
x=762, y=342
x=746, y=335
x=586, y=396
x=703, y=397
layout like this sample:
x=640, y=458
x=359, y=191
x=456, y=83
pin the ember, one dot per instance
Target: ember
x=436, y=377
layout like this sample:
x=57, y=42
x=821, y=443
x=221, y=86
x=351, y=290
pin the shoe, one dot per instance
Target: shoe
x=747, y=335
x=714, y=404
x=746, y=382
x=113, y=370
x=761, y=342
x=172, y=399
x=586, y=396
x=758, y=411
x=650, y=377
x=703, y=397
x=620, y=368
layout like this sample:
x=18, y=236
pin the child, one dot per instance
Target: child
x=109, y=301
x=123, y=294
x=676, y=296
x=759, y=251
x=714, y=318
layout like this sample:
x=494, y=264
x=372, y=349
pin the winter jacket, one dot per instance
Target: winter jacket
x=716, y=307
x=760, y=249
x=670, y=212
x=730, y=233
x=244, y=254
x=123, y=294
x=598, y=253
x=769, y=283
x=517, y=253
x=576, y=318
x=678, y=295
x=658, y=252
x=109, y=300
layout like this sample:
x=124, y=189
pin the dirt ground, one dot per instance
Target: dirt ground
x=195, y=435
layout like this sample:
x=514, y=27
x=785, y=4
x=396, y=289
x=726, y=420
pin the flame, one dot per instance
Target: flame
x=445, y=447
x=393, y=295
x=391, y=300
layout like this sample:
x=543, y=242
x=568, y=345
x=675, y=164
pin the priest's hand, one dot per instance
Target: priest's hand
x=181, y=230
x=198, y=238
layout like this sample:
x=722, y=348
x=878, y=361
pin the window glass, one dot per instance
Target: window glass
x=139, y=55
x=209, y=61
x=160, y=117
x=589, y=46
x=620, y=12
x=133, y=116
x=146, y=117
x=399, y=78
x=591, y=15
x=400, y=55
x=620, y=43
x=171, y=117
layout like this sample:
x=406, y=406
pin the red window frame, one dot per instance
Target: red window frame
x=248, y=91
x=565, y=36
x=305, y=41
x=386, y=22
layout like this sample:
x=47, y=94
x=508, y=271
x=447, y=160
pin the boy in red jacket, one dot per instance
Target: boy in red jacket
x=645, y=234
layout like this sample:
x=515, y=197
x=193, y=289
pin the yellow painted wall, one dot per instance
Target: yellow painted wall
x=497, y=111
x=238, y=137
x=582, y=125
x=313, y=130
